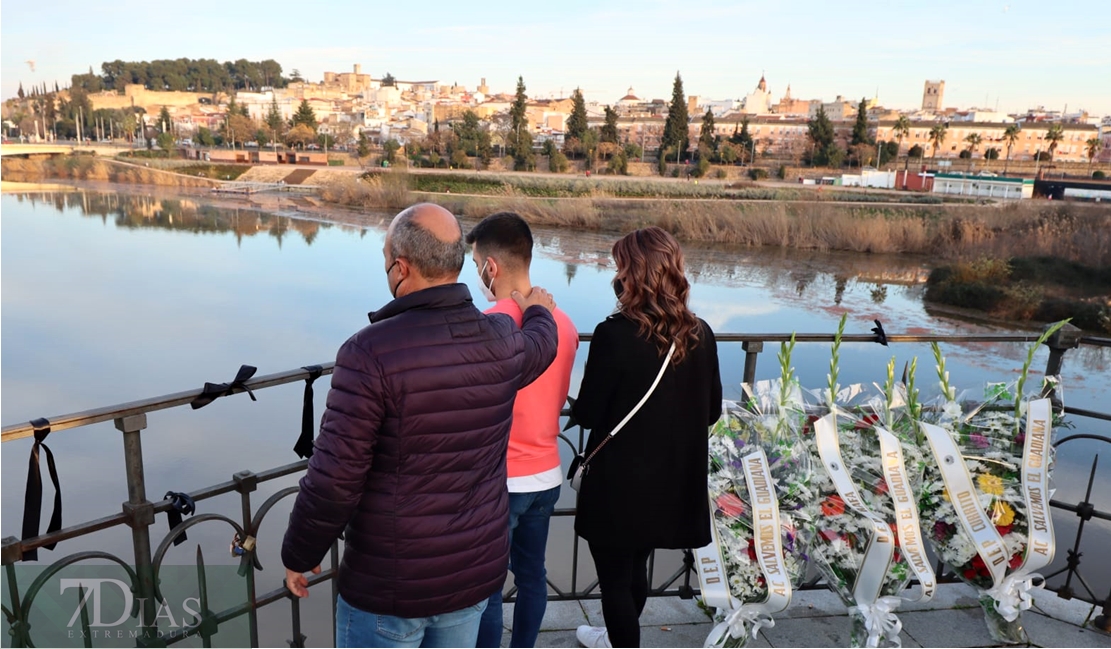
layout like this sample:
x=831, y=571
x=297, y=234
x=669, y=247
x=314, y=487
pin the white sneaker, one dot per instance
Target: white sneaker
x=593, y=636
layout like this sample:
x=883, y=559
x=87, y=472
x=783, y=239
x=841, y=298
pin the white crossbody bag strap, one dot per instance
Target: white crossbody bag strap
x=660, y=375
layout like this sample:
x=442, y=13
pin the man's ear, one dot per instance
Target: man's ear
x=404, y=269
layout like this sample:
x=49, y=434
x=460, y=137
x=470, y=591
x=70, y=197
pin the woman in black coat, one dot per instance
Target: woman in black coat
x=646, y=488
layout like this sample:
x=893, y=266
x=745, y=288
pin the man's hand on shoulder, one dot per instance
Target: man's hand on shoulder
x=536, y=297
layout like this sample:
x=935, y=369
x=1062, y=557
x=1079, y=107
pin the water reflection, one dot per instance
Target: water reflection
x=277, y=217
x=137, y=211
x=105, y=301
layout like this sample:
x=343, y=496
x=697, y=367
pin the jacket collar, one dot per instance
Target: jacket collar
x=435, y=297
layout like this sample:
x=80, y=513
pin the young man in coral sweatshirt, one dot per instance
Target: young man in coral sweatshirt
x=502, y=254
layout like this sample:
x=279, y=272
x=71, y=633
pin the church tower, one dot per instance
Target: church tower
x=932, y=95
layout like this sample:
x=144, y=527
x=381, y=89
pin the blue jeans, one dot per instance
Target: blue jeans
x=529, y=514
x=358, y=628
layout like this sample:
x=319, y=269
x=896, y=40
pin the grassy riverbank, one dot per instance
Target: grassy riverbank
x=1076, y=232
x=1042, y=289
x=541, y=186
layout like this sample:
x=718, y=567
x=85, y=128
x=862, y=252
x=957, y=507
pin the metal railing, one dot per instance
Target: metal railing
x=138, y=512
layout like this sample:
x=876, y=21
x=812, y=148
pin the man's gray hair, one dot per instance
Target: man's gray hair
x=431, y=257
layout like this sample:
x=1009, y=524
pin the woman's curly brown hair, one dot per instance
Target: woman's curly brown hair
x=652, y=290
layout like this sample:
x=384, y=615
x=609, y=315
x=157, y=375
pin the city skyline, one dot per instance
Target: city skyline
x=1015, y=55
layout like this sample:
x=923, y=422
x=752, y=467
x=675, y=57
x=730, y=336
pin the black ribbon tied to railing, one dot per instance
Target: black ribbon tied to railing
x=180, y=503
x=32, y=506
x=304, y=446
x=881, y=336
x=213, y=391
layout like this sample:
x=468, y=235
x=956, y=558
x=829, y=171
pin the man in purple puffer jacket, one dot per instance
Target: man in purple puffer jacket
x=410, y=460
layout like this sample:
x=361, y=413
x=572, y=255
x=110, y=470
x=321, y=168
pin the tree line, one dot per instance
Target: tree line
x=192, y=75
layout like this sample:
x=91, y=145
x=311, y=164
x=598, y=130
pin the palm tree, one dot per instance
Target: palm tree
x=1093, y=145
x=974, y=140
x=1054, y=135
x=902, y=130
x=937, y=137
x=1010, y=136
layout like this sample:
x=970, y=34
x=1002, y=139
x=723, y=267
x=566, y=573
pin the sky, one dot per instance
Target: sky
x=1010, y=54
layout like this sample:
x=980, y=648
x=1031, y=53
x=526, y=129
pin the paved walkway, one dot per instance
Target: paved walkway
x=818, y=619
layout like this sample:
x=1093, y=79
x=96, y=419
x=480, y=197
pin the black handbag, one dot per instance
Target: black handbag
x=580, y=465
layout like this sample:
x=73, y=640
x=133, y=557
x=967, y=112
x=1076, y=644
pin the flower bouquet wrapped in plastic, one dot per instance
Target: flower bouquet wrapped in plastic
x=985, y=495
x=867, y=541
x=758, y=481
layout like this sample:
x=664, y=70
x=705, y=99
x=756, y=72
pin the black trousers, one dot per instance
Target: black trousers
x=623, y=579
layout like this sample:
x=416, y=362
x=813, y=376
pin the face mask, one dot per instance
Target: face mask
x=618, y=288
x=393, y=290
x=487, y=291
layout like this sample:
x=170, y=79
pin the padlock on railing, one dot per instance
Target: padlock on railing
x=244, y=548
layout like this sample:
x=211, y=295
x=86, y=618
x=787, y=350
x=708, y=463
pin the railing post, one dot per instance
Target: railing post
x=245, y=483
x=752, y=349
x=140, y=516
x=1103, y=621
x=1062, y=340
x=17, y=626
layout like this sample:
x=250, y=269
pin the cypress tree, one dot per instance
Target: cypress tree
x=706, y=135
x=860, y=128
x=576, y=123
x=609, y=129
x=675, y=127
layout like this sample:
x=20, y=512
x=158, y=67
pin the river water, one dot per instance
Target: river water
x=111, y=295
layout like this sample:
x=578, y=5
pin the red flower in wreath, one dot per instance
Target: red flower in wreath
x=833, y=506
x=867, y=422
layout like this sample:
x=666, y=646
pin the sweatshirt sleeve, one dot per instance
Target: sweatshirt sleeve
x=599, y=381
x=541, y=339
x=333, y=484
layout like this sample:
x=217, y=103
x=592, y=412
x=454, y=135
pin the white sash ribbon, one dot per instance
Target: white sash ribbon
x=1035, y=485
x=966, y=501
x=906, y=514
x=750, y=617
x=881, y=545
x=712, y=579
x=1012, y=595
x=1011, y=592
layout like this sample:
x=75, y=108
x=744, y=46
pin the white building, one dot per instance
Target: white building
x=259, y=103
x=982, y=116
x=983, y=186
x=718, y=107
x=759, y=101
x=870, y=177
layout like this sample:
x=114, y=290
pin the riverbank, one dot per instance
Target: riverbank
x=1072, y=231
x=92, y=168
x=749, y=214
x=1025, y=289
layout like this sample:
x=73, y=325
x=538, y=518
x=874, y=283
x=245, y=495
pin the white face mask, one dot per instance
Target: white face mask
x=487, y=291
